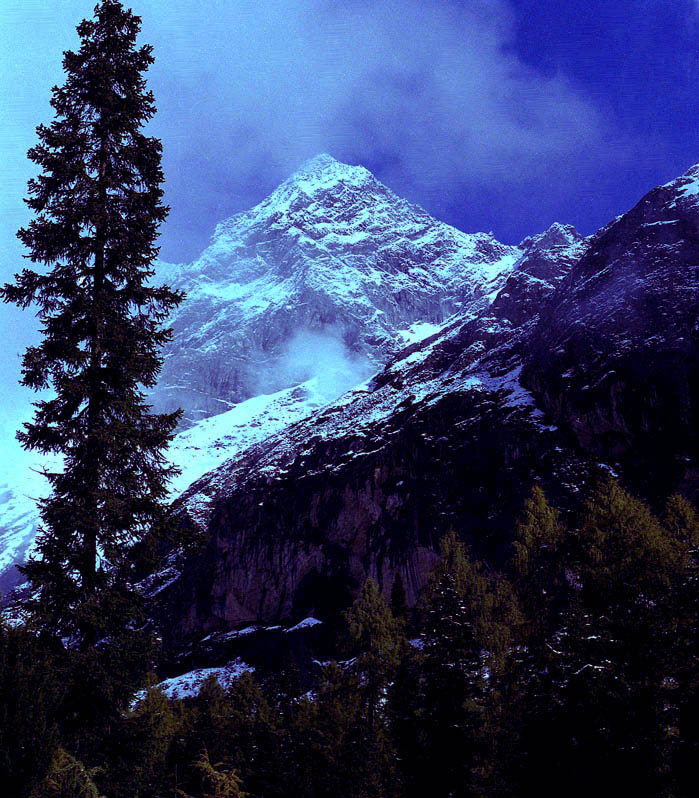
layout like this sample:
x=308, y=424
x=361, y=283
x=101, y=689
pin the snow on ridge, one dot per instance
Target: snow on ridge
x=686, y=186
x=306, y=623
x=318, y=174
x=188, y=685
x=328, y=205
x=323, y=170
x=557, y=235
x=215, y=439
x=418, y=331
x=361, y=412
x=516, y=395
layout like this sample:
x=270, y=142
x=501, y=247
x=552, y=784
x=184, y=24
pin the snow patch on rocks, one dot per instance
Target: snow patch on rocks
x=188, y=685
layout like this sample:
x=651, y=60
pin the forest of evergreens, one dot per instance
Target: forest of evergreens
x=573, y=672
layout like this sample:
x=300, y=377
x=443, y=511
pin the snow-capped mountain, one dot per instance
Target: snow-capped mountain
x=331, y=260
x=588, y=357
x=493, y=366
x=18, y=520
x=294, y=302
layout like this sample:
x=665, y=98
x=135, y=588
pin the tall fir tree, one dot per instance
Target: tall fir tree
x=538, y=564
x=469, y=619
x=376, y=634
x=98, y=206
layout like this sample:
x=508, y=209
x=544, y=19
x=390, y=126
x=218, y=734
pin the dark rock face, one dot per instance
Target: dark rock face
x=587, y=355
x=614, y=357
x=303, y=544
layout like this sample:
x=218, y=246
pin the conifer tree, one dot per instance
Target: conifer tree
x=237, y=728
x=617, y=663
x=682, y=520
x=98, y=206
x=376, y=633
x=214, y=782
x=470, y=617
x=67, y=778
x=538, y=565
x=399, y=602
x=538, y=568
x=142, y=747
x=327, y=733
x=31, y=692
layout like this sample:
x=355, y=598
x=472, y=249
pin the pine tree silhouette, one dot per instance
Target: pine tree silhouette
x=98, y=206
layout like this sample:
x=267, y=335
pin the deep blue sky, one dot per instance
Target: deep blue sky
x=502, y=115
x=638, y=62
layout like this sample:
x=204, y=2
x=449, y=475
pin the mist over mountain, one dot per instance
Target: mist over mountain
x=293, y=303
x=332, y=253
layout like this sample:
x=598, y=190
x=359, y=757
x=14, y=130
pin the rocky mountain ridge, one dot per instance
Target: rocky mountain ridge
x=586, y=357
x=332, y=253
x=294, y=302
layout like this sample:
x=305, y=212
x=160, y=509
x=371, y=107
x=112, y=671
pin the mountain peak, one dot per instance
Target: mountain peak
x=556, y=235
x=322, y=171
x=319, y=176
x=321, y=162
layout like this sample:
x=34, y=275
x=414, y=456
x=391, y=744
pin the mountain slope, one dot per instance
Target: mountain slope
x=614, y=358
x=454, y=431
x=201, y=448
x=294, y=302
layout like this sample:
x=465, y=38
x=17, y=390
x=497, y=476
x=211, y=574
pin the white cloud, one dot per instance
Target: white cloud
x=432, y=88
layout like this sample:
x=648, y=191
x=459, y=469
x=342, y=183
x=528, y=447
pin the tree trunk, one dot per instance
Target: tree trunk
x=94, y=412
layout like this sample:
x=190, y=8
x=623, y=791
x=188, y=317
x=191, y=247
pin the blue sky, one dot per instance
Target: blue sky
x=502, y=115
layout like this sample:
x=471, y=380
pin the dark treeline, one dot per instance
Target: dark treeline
x=574, y=672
